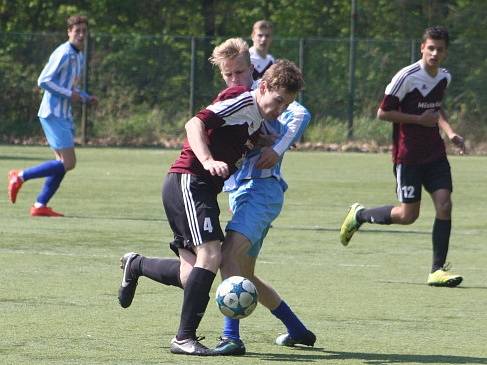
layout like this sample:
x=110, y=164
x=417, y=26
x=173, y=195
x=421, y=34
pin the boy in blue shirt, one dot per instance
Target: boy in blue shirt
x=59, y=79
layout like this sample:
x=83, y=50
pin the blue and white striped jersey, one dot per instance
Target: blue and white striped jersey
x=58, y=78
x=289, y=127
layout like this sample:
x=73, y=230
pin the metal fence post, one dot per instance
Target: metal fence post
x=84, y=86
x=191, y=76
x=351, y=70
x=301, y=65
x=413, y=51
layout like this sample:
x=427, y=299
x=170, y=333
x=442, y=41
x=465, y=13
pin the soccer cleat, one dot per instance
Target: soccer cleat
x=441, y=277
x=350, y=224
x=229, y=347
x=14, y=184
x=44, y=212
x=308, y=339
x=189, y=346
x=127, y=288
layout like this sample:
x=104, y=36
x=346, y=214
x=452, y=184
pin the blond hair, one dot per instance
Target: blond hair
x=284, y=74
x=228, y=50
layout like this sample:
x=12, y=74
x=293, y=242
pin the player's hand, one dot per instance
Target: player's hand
x=93, y=100
x=75, y=96
x=459, y=142
x=429, y=118
x=265, y=140
x=268, y=158
x=216, y=168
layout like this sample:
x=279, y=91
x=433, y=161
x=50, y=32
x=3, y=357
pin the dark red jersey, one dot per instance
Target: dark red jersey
x=229, y=122
x=413, y=91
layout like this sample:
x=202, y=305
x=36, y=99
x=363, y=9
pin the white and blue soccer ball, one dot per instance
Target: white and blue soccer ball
x=236, y=297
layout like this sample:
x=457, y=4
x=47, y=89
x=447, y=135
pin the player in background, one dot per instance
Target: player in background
x=259, y=52
x=256, y=196
x=60, y=81
x=413, y=103
x=216, y=140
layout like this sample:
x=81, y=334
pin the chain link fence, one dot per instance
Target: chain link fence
x=148, y=86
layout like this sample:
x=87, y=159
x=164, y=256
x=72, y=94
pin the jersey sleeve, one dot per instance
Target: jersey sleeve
x=47, y=78
x=295, y=119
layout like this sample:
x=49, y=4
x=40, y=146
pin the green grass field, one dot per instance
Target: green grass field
x=367, y=303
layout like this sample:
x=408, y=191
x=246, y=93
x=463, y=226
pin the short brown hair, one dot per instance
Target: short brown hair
x=262, y=24
x=230, y=49
x=285, y=74
x=437, y=33
x=76, y=19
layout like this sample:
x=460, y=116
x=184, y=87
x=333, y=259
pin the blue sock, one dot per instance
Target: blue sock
x=295, y=327
x=48, y=168
x=231, y=328
x=50, y=187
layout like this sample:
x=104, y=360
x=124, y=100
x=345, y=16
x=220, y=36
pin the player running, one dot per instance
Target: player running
x=413, y=103
x=60, y=81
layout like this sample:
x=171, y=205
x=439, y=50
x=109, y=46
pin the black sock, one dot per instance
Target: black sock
x=196, y=297
x=441, y=240
x=379, y=215
x=164, y=271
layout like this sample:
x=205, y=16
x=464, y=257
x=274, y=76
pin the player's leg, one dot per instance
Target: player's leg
x=439, y=183
x=196, y=298
x=163, y=270
x=60, y=136
x=408, y=189
x=193, y=213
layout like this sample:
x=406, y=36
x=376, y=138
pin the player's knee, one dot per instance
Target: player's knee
x=408, y=217
x=69, y=165
x=444, y=208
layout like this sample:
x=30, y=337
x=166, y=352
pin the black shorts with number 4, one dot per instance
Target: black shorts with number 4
x=410, y=178
x=192, y=210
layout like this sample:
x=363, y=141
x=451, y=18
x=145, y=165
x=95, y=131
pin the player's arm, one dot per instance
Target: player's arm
x=455, y=138
x=295, y=118
x=198, y=141
x=389, y=112
x=46, y=79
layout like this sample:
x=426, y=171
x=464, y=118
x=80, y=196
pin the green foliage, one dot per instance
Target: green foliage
x=140, y=56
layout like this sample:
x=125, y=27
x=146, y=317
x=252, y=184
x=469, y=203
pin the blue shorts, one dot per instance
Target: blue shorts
x=58, y=131
x=255, y=204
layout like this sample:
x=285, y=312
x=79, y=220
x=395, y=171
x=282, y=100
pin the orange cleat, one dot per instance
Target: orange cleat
x=14, y=184
x=44, y=212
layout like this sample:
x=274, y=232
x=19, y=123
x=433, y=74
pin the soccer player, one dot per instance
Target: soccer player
x=216, y=140
x=259, y=52
x=413, y=103
x=59, y=79
x=256, y=199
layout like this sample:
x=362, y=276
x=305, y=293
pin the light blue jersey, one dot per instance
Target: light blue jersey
x=58, y=78
x=288, y=128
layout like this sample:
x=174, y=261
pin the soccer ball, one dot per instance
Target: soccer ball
x=236, y=297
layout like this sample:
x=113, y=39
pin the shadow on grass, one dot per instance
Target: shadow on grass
x=312, y=355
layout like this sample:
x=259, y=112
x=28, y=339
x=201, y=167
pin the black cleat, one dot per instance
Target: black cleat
x=229, y=347
x=127, y=288
x=308, y=339
x=189, y=346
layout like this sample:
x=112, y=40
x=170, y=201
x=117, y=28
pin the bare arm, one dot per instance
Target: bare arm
x=198, y=140
x=456, y=139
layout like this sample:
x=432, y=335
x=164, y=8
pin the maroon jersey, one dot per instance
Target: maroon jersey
x=413, y=91
x=229, y=122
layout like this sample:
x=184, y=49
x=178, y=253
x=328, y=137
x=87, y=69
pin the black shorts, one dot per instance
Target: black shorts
x=433, y=176
x=192, y=210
